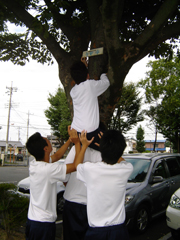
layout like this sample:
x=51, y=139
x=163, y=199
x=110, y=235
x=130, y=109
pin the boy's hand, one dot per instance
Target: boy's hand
x=84, y=60
x=84, y=140
x=69, y=130
x=72, y=132
x=73, y=136
x=99, y=135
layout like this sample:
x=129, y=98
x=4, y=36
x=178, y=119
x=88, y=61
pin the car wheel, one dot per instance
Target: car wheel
x=60, y=202
x=141, y=220
x=175, y=234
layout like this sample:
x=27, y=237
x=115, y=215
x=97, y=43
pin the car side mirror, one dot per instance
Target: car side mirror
x=157, y=179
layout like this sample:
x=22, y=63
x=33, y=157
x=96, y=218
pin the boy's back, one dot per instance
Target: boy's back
x=85, y=103
x=106, y=188
x=85, y=97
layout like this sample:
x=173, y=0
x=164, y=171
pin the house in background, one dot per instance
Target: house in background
x=54, y=142
x=14, y=147
x=131, y=145
x=160, y=145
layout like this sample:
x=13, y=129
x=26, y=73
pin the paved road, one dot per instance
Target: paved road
x=13, y=174
x=157, y=230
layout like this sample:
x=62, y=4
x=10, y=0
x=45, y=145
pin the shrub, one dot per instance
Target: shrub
x=13, y=208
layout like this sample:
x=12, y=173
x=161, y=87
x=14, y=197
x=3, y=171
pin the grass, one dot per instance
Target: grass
x=15, y=236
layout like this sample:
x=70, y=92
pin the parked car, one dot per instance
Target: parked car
x=173, y=215
x=19, y=157
x=154, y=179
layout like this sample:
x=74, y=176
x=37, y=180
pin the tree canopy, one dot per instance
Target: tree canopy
x=63, y=29
x=58, y=114
x=162, y=88
x=127, y=111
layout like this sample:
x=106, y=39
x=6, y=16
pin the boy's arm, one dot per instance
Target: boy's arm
x=71, y=167
x=101, y=85
x=58, y=155
x=79, y=157
x=84, y=60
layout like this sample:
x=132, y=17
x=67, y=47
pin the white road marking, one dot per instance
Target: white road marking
x=58, y=222
x=166, y=237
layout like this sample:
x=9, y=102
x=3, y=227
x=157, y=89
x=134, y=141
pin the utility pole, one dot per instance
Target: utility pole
x=28, y=126
x=27, y=137
x=19, y=138
x=10, y=89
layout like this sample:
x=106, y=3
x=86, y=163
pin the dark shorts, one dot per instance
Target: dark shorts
x=96, y=138
x=116, y=232
x=75, y=223
x=40, y=230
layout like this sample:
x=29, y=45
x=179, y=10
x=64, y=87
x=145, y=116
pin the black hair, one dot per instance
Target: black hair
x=79, y=72
x=112, y=145
x=35, y=146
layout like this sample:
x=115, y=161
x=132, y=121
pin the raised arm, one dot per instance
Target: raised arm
x=58, y=155
x=80, y=151
x=84, y=60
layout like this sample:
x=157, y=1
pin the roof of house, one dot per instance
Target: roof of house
x=158, y=141
x=130, y=138
x=52, y=137
x=11, y=143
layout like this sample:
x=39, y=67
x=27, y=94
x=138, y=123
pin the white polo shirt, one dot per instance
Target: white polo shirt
x=43, y=189
x=85, y=103
x=75, y=189
x=106, y=189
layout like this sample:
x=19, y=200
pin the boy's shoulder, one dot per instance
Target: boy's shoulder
x=89, y=164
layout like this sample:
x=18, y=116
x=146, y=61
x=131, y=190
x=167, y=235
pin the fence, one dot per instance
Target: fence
x=14, y=160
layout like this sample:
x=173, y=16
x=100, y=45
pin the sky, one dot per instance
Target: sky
x=31, y=85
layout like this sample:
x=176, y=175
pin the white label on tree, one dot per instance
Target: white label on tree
x=93, y=52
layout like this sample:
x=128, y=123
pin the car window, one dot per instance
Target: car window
x=140, y=169
x=173, y=166
x=160, y=170
x=178, y=159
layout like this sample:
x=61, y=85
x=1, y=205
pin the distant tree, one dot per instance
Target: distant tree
x=140, y=144
x=162, y=88
x=169, y=144
x=127, y=111
x=151, y=113
x=58, y=115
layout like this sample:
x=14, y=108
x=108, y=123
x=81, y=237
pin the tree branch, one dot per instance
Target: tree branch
x=111, y=15
x=169, y=32
x=60, y=19
x=36, y=26
x=159, y=20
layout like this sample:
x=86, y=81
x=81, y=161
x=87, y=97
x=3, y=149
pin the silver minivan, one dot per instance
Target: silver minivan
x=155, y=178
